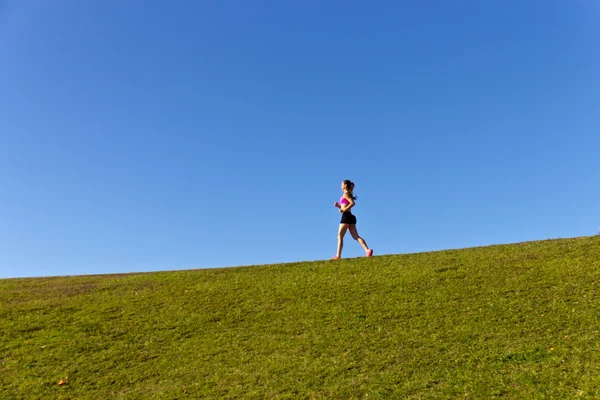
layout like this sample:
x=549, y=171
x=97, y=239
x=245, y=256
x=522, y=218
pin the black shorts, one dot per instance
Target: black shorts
x=348, y=218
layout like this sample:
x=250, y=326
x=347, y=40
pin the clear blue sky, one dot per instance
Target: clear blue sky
x=145, y=135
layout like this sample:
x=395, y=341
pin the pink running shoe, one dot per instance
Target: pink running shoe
x=370, y=253
x=335, y=258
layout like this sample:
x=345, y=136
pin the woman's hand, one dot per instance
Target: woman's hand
x=337, y=204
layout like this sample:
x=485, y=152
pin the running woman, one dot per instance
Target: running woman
x=348, y=222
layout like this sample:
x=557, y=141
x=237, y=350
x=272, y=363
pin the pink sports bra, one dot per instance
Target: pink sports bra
x=343, y=200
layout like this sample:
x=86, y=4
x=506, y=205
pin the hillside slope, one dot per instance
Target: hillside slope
x=518, y=321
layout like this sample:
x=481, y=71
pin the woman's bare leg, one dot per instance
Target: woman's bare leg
x=341, y=233
x=354, y=233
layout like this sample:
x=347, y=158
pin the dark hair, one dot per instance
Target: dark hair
x=350, y=188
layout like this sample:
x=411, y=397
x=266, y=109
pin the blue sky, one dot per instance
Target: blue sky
x=146, y=135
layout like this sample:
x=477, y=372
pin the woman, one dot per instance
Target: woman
x=348, y=222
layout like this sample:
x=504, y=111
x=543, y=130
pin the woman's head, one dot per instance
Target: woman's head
x=348, y=187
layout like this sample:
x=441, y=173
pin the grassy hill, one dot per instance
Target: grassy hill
x=512, y=321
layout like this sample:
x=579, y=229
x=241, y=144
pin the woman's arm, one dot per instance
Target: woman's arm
x=346, y=207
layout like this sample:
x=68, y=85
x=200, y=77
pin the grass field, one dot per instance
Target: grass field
x=511, y=321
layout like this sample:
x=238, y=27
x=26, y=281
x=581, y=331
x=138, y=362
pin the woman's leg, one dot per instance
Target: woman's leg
x=354, y=233
x=341, y=233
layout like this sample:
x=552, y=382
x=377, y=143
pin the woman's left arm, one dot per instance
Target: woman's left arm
x=347, y=207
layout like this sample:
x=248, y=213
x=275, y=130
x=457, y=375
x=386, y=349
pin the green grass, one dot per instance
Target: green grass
x=512, y=321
